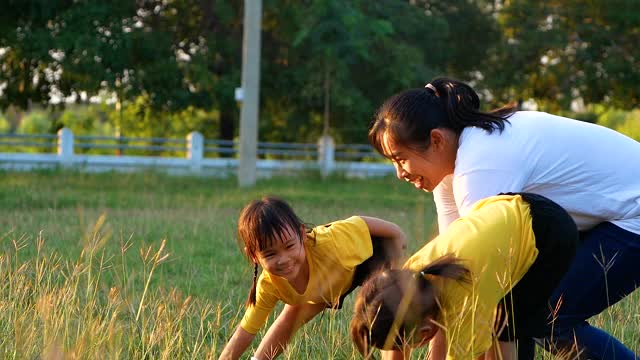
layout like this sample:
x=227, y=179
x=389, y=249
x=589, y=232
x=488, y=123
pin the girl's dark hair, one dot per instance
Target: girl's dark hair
x=399, y=299
x=261, y=223
x=408, y=117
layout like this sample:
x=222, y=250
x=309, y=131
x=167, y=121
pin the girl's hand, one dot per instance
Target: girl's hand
x=284, y=327
x=395, y=241
x=237, y=345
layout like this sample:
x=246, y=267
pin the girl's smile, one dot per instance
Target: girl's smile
x=286, y=258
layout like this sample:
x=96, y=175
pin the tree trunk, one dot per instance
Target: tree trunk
x=327, y=100
x=227, y=126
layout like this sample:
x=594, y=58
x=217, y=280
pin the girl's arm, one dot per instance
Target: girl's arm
x=501, y=350
x=395, y=354
x=396, y=241
x=283, y=328
x=438, y=347
x=236, y=346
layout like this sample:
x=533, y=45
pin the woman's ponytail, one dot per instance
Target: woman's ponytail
x=408, y=117
x=462, y=105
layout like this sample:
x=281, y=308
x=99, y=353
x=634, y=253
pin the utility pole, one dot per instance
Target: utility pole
x=250, y=93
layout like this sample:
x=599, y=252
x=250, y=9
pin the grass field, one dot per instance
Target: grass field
x=116, y=266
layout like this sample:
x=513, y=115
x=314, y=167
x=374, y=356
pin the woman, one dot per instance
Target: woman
x=483, y=282
x=439, y=140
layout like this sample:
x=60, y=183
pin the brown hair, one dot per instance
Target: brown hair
x=393, y=303
x=261, y=223
x=408, y=117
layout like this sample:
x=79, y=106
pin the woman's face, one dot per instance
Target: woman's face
x=424, y=169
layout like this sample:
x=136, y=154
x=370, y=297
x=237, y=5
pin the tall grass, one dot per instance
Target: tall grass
x=91, y=307
x=146, y=266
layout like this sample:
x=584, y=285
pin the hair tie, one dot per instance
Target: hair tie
x=432, y=88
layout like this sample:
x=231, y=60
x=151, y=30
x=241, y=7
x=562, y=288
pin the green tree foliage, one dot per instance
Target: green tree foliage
x=338, y=60
x=142, y=120
x=631, y=125
x=555, y=51
x=72, y=46
x=324, y=61
x=5, y=127
x=172, y=66
x=36, y=122
x=173, y=54
x=87, y=120
x=626, y=122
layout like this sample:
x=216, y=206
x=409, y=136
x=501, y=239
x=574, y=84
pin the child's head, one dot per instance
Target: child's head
x=395, y=308
x=265, y=221
x=266, y=228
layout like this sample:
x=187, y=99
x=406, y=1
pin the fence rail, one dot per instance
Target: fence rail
x=194, y=154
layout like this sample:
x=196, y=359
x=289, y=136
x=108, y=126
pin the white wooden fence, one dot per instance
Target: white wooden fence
x=192, y=155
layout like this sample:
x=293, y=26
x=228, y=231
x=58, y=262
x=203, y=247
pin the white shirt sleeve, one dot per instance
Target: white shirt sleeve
x=445, y=203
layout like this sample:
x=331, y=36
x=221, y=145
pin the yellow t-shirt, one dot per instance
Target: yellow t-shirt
x=338, y=248
x=496, y=243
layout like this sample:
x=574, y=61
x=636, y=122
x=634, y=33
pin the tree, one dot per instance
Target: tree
x=169, y=53
x=343, y=59
x=326, y=64
x=556, y=51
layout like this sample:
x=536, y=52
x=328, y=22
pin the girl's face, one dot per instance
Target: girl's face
x=422, y=335
x=424, y=169
x=285, y=257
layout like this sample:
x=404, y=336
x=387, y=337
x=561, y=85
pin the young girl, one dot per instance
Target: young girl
x=439, y=140
x=483, y=282
x=307, y=269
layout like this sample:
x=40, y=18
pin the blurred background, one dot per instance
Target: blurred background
x=165, y=68
x=141, y=265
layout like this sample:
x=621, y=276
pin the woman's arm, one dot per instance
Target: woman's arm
x=396, y=241
x=283, y=328
x=236, y=346
x=445, y=203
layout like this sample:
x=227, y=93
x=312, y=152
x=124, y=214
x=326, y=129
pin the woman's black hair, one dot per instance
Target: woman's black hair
x=407, y=118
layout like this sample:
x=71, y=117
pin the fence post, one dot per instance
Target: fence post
x=195, y=150
x=65, y=147
x=326, y=155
